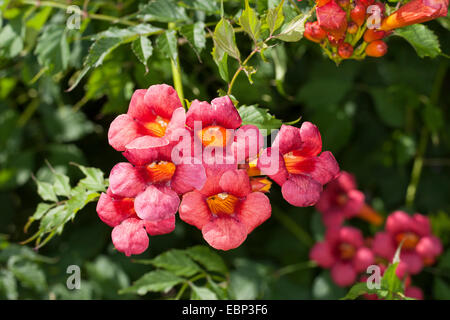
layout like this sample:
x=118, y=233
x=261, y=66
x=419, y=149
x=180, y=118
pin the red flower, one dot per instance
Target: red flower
x=130, y=232
x=226, y=209
x=419, y=248
x=155, y=112
x=296, y=163
x=344, y=253
x=415, y=11
x=332, y=19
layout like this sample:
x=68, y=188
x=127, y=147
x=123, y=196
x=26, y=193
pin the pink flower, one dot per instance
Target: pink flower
x=155, y=112
x=419, y=247
x=344, y=253
x=342, y=200
x=301, y=168
x=156, y=185
x=226, y=209
x=332, y=18
x=130, y=232
x=414, y=292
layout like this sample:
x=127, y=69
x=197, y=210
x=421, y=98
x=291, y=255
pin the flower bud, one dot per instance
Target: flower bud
x=314, y=32
x=352, y=27
x=332, y=19
x=343, y=3
x=322, y=2
x=358, y=13
x=334, y=42
x=345, y=50
x=377, y=48
x=415, y=11
x=373, y=34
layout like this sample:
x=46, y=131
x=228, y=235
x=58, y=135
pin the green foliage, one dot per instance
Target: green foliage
x=423, y=40
x=258, y=117
x=175, y=267
x=63, y=201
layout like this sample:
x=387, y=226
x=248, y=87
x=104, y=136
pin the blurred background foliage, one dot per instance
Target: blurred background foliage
x=377, y=116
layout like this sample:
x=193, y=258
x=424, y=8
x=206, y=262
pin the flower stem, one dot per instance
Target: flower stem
x=176, y=73
x=241, y=67
x=294, y=268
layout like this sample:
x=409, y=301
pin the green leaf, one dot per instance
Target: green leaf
x=55, y=219
x=224, y=40
x=250, y=22
x=423, y=40
x=154, y=281
x=162, y=11
x=222, y=63
x=28, y=273
x=46, y=191
x=195, y=34
x=207, y=258
x=207, y=6
x=8, y=285
x=391, y=282
x=62, y=185
x=259, y=117
x=358, y=290
x=52, y=48
x=445, y=21
x=294, y=29
x=433, y=118
x=143, y=49
x=176, y=261
x=202, y=293
x=441, y=289
x=275, y=18
x=94, y=178
x=42, y=208
x=39, y=19
x=167, y=43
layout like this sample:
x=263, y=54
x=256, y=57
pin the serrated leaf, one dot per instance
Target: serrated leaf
x=167, y=43
x=143, y=49
x=358, y=290
x=259, y=117
x=423, y=40
x=195, y=34
x=52, y=48
x=39, y=19
x=8, y=285
x=54, y=218
x=176, y=261
x=202, y=293
x=46, y=191
x=294, y=29
x=275, y=18
x=41, y=209
x=154, y=281
x=62, y=185
x=94, y=178
x=207, y=258
x=224, y=40
x=250, y=22
x=28, y=273
x=221, y=61
x=162, y=11
x=202, y=5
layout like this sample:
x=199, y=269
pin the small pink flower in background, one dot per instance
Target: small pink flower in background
x=343, y=252
x=130, y=232
x=153, y=113
x=342, y=200
x=226, y=209
x=419, y=247
x=301, y=168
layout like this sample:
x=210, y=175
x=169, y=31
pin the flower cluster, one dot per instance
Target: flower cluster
x=347, y=254
x=354, y=29
x=207, y=166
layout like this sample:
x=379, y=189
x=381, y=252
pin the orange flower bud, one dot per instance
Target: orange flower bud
x=352, y=27
x=377, y=48
x=358, y=14
x=345, y=50
x=373, y=34
x=314, y=32
x=415, y=11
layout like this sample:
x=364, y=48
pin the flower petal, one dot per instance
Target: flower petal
x=138, y=109
x=248, y=141
x=412, y=260
x=224, y=233
x=144, y=150
x=123, y=130
x=311, y=140
x=156, y=203
x=188, y=176
x=162, y=99
x=236, y=182
x=301, y=191
x=343, y=274
x=194, y=210
x=200, y=111
x=429, y=247
x=363, y=258
x=288, y=139
x=271, y=163
x=383, y=245
x=254, y=210
x=130, y=237
x=126, y=181
x=156, y=228
x=112, y=211
x=321, y=253
x=225, y=113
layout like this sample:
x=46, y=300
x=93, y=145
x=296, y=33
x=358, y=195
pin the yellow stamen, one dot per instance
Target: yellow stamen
x=293, y=163
x=409, y=239
x=222, y=203
x=260, y=184
x=157, y=127
x=214, y=136
x=160, y=171
x=347, y=251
